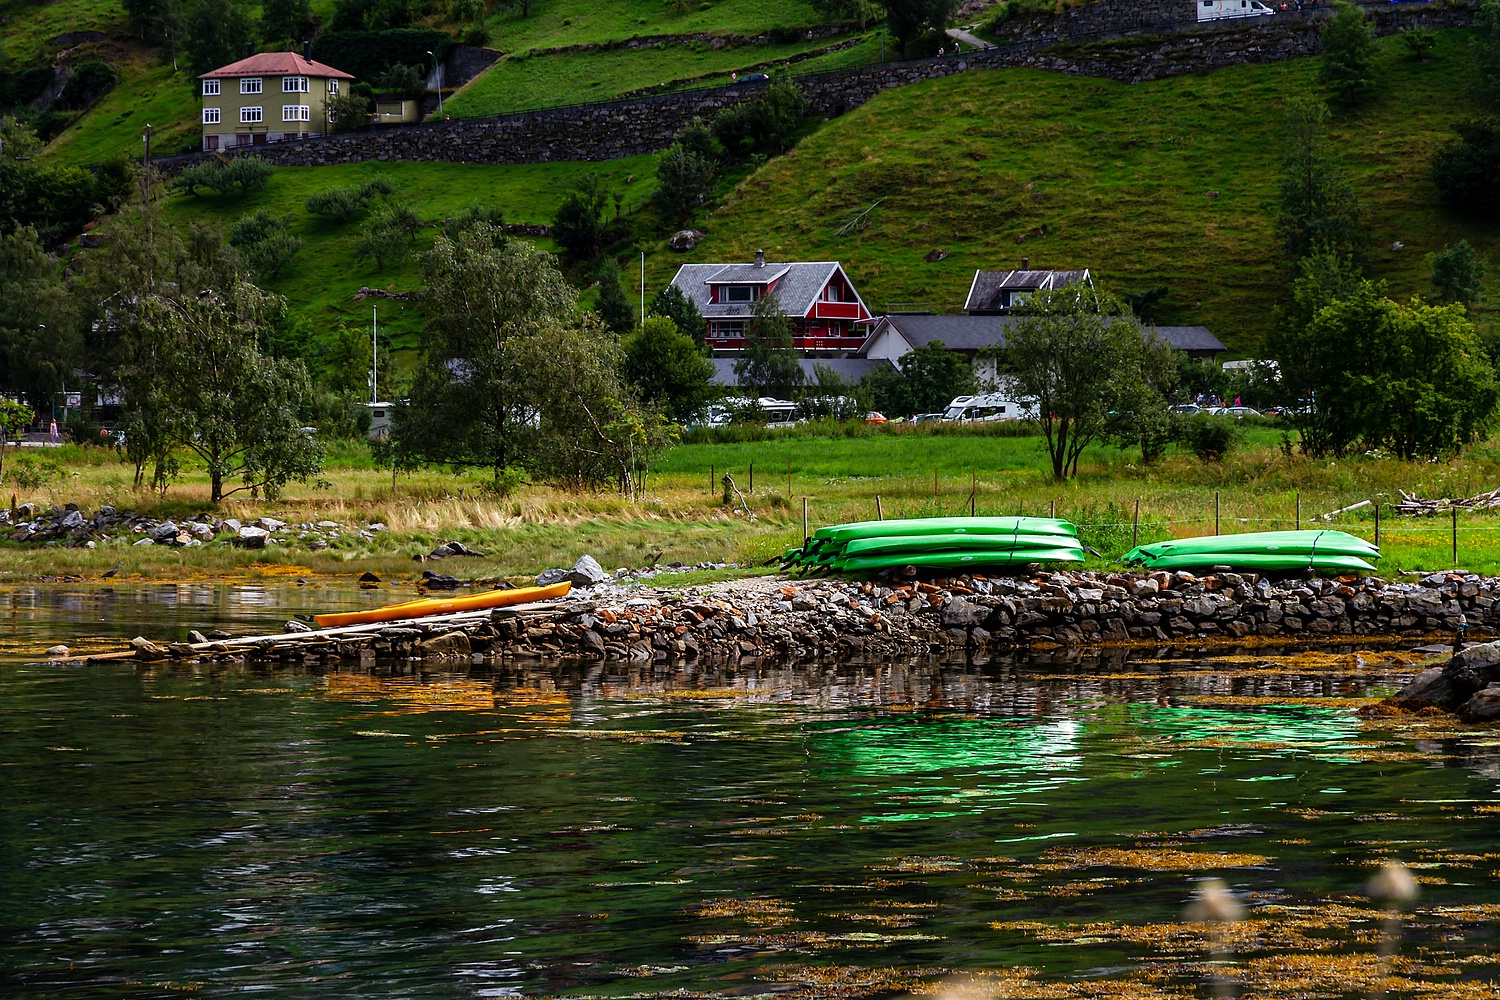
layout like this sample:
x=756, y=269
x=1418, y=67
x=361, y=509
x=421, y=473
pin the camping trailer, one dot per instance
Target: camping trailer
x=1213, y=10
x=990, y=406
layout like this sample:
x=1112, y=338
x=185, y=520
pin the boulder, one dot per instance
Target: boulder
x=1433, y=686
x=548, y=577
x=587, y=572
x=57, y=652
x=165, y=532
x=252, y=537
x=447, y=644
x=1483, y=707
x=440, y=581
x=685, y=239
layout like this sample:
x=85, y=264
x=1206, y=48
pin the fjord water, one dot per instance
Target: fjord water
x=572, y=829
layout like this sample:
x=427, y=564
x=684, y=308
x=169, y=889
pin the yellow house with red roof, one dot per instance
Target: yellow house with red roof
x=268, y=97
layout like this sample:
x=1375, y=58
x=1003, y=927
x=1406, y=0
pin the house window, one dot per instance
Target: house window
x=739, y=293
x=250, y=85
x=210, y=116
x=210, y=88
x=250, y=116
x=333, y=88
x=294, y=85
x=295, y=113
x=210, y=142
x=243, y=138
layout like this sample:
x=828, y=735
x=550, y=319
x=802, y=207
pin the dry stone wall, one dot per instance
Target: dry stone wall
x=616, y=129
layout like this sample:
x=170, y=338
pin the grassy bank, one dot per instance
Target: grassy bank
x=1169, y=183
x=913, y=473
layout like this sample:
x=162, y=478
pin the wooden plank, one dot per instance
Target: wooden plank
x=242, y=643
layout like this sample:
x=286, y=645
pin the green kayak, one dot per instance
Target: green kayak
x=1262, y=561
x=958, y=560
x=917, y=544
x=1284, y=542
x=1049, y=526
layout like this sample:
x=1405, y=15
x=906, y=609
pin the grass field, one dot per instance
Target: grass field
x=913, y=472
x=1076, y=172
x=558, y=23
x=551, y=80
x=28, y=25
x=323, y=279
x=149, y=93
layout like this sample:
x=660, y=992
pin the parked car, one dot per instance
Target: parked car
x=1188, y=408
x=1214, y=10
x=1236, y=411
x=875, y=417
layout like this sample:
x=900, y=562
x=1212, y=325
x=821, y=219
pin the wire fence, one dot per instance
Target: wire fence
x=1113, y=528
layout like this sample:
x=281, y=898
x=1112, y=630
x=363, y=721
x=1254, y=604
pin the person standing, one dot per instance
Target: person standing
x=53, y=431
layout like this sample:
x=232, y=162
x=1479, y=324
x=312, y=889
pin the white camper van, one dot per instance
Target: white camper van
x=1213, y=10
x=989, y=406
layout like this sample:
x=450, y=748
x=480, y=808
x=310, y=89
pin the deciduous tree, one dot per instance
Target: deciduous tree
x=1081, y=358
x=929, y=377
x=1348, y=67
x=1318, y=206
x=1458, y=274
x=668, y=370
x=40, y=341
x=219, y=32
x=769, y=365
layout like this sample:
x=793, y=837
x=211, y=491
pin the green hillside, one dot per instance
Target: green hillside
x=1167, y=183
x=541, y=66
x=324, y=277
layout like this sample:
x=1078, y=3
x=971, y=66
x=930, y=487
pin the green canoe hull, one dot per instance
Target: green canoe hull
x=958, y=560
x=1261, y=542
x=1045, y=526
x=919, y=544
x=1262, y=561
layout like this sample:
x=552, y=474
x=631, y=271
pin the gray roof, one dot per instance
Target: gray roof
x=1190, y=338
x=973, y=333
x=985, y=291
x=799, y=287
x=851, y=370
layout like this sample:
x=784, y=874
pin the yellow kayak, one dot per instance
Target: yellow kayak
x=444, y=606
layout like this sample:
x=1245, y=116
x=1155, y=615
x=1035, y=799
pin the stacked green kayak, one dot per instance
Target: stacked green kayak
x=1322, y=551
x=937, y=543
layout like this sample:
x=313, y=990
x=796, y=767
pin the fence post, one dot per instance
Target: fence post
x=1216, y=512
x=1052, y=508
x=879, y=515
x=789, y=479
x=712, y=478
x=752, y=477
x=934, y=484
x=804, y=522
x=1135, y=525
x=1455, y=535
x=1377, y=524
x=973, y=490
x=1299, y=510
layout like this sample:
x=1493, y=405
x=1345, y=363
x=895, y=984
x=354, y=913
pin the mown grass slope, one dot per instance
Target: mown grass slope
x=323, y=279
x=1166, y=183
x=149, y=93
x=557, y=23
x=560, y=78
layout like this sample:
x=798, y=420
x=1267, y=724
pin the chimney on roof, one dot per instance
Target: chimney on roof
x=760, y=258
x=249, y=49
x=1025, y=263
x=307, y=50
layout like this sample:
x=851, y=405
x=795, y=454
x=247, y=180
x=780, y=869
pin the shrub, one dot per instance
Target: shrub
x=34, y=474
x=265, y=242
x=1467, y=172
x=1210, y=438
x=348, y=112
x=477, y=36
x=1419, y=42
x=236, y=176
x=86, y=84
x=345, y=204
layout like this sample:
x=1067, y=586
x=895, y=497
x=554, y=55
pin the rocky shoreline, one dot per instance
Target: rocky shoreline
x=830, y=619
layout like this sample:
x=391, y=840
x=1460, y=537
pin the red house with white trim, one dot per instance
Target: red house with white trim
x=827, y=314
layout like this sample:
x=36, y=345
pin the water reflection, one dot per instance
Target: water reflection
x=721, y=830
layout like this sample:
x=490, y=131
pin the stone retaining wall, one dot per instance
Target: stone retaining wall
x=838, y=620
